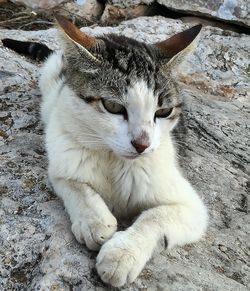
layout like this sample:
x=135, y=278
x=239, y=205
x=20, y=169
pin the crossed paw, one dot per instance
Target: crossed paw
x=121, y=257
x=92, y=232
x=120, y=260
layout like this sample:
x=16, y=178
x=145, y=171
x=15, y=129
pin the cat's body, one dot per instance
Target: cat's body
x=108, y=166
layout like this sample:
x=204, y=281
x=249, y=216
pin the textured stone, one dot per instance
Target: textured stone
x=90, y=10
x=39, y=4
x=231, y=10
x=113, y=14
x=37, y=249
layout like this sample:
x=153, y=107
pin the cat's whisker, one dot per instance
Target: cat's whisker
x=120, y=148
x=92, y=135
x=176, y=142
x=90, y=142
x=92, y=139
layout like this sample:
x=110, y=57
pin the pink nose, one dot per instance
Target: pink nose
x=140, y=148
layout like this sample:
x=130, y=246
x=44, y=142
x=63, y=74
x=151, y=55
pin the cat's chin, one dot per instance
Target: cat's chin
x=130, y=157
x=133, y=157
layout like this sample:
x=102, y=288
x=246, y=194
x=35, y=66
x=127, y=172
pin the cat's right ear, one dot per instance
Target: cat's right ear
x=174, y=50
x=78, y=45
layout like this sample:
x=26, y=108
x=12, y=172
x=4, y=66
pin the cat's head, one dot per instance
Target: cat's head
x=125, y=96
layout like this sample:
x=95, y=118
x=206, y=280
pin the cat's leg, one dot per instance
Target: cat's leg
x=92, y=221
x=122, y=258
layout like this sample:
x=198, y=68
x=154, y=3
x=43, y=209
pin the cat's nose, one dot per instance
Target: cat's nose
x=140, y=148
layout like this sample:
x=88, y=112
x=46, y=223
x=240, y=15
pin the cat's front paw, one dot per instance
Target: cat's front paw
x=93, y=232
x=121, y=260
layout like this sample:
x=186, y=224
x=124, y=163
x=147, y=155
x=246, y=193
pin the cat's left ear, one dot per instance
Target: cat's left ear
x=78, y=45
x=174, y=50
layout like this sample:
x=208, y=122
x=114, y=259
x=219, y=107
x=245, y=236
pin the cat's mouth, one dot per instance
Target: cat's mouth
x=132, y=157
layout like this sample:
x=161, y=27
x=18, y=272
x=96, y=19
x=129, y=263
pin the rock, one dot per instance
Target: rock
x=127, y=3
x=192, y=20
x=38, y=4
x=37, y=248
x=236, y=11
x=113, y=14
x=91, y=10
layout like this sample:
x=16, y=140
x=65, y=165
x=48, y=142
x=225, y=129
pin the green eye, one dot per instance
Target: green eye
x=163, y=112
x=114, y=107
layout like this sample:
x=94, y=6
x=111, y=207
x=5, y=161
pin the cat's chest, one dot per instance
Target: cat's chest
x=127, y=188
x=118, y=182
x=133, y=188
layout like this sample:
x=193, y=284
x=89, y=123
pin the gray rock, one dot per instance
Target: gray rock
x=91, y=10
x=114, y=14
x=236, y=11
x=231, y=10
x=39, y=4
x=37, y=249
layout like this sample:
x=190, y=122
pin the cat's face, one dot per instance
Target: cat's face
x=140, y=121
x=131, y=121
x=124, y=93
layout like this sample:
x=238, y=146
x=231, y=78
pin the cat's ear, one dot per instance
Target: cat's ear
x=174, y=50
x=77, y=44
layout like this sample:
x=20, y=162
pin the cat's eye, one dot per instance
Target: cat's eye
x=114, y=107
x=163, y=112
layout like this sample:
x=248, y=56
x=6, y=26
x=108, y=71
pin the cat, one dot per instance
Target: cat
x=109, y=106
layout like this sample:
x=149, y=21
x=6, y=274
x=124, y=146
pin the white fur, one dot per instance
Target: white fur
x=89, y=171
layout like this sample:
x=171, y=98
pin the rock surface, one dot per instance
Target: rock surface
x=237, y=11
x=90, y=9
x=40, y=4
x=113, y=14
x=37, y=249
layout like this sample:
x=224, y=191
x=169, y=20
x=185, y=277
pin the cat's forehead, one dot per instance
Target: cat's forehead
x=129, y=69
x=139, y=94
x=127, y=62
x=129, y=57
